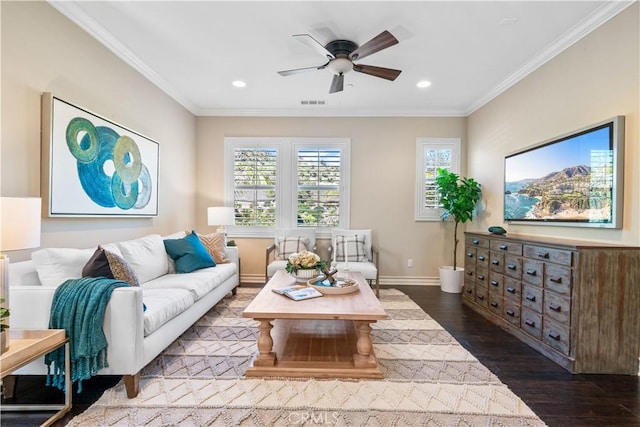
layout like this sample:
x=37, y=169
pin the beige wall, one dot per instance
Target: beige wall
x=597, y=78
x=42, y=51
x=382, y=184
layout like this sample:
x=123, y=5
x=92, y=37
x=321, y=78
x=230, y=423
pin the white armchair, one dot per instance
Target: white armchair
x=360, y=253
x=286, y=242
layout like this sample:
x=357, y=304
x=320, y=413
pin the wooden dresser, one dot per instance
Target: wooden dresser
x=575, y=302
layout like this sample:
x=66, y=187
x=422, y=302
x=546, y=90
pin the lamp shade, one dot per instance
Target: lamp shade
x=20, y=219
x=220, y=215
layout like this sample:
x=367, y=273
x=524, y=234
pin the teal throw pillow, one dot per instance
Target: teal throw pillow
x=189, y=253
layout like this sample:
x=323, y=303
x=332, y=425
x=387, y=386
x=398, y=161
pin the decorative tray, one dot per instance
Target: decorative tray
x=342, y=286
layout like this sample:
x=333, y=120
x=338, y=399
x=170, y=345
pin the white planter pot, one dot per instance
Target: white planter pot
x=451, y=280
x=305, y=274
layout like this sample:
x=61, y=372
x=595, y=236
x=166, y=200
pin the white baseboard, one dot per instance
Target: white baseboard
x=384, y=280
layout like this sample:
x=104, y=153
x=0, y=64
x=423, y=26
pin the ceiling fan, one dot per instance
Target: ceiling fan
x=342, y=53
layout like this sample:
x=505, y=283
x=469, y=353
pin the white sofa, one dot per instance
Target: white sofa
x=135, y=336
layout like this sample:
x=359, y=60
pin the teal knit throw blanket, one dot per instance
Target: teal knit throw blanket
x=78, y=307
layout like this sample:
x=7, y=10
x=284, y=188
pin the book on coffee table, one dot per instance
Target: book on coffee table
x=298, y=292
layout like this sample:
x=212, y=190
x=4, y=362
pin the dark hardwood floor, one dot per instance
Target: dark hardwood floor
x=559, y=398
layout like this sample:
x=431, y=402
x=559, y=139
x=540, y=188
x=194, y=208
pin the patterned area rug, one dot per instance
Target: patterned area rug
x=430, y=380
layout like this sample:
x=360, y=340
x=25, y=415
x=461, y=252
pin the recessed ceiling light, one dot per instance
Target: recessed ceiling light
x=239, y=83
x=423, y=83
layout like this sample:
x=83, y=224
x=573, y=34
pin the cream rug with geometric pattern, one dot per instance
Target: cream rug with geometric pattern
x=430, y=380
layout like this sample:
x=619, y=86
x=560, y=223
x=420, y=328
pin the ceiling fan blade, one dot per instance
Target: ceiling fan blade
x=384, y=73
x=302, y=70
x=314, y=44
x=382, y=41
x=337, y=83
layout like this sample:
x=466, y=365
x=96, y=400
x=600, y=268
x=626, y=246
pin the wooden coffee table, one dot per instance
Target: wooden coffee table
x=325, y=337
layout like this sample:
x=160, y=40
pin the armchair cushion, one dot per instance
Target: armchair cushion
x=350, y=248
x=353, y=235
x=286, y=246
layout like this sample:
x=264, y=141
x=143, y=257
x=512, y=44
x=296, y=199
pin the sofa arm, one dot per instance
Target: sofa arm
x=232, y=253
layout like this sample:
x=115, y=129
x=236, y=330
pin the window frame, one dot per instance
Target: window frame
x=423, y=213
x=287, y=180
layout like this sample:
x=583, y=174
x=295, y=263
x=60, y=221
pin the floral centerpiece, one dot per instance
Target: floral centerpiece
x=305, y=264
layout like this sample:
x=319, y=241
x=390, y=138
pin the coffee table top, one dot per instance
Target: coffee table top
x=359, y=305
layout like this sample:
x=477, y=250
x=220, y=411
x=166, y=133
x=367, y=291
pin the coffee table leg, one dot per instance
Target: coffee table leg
x=265, y=345
x=365, y=357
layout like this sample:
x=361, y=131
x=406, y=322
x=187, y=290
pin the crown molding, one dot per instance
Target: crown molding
x=586, y=26
x=325, y=112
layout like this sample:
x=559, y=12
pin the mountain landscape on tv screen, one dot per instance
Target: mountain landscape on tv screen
x=571, y=194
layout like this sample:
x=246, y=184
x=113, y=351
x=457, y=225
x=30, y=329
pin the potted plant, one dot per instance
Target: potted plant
x=4, y=326
x=304, y=265
x=458, y=197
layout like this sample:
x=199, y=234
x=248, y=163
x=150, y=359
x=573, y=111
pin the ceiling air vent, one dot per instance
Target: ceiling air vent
x=313, y=102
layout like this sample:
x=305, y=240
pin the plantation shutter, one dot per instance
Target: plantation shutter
x=318, y=190
x=431, y=154
x=254, y=190
x=433, y=159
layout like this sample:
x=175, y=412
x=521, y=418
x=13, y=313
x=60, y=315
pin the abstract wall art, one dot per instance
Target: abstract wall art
x=95, y=167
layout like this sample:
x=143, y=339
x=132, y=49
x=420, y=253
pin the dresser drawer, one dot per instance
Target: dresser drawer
x=482, y=257
x=496, y=262
x=556, y=335
x=506, y=247
x=496, y=283
x=513, y=266
x=531, y=322
x=482, y=296
x=533, y=272
x=557, y=256
x=469, y=290
x=482, y=276
x=512, y=288
x=495, y=303
x=477, y=241
x=511, y=312
x=558, y=278
x=557, y=307
x=532, y=297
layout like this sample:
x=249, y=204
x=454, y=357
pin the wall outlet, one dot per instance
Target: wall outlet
x=409, y=263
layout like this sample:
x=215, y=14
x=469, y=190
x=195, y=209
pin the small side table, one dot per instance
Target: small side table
x=25, y=346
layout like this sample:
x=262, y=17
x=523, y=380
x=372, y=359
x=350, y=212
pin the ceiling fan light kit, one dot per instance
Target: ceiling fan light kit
x=342, y=53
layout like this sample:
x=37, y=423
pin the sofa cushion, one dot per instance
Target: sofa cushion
x=189, y=253
x=163, y=305
x=288, y=245
x=56, y=265
x=199, y=282
x=146, y=255
x=170, y=261
x=107, y=264
x=214, y=243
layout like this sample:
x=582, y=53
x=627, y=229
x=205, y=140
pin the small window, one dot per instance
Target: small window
x=431, y=154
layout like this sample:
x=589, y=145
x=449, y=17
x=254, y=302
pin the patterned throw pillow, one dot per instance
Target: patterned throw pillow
x=214, y=244
x=353, y=246
x=290, y=245
x=107, y=264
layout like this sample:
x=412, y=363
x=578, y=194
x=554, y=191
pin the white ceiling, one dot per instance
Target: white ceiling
x=470, y=51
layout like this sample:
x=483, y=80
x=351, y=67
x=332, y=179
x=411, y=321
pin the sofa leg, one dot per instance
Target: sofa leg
x=234, y=291
x=132, y=384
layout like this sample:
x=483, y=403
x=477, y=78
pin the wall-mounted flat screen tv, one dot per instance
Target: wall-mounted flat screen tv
x=575, y=179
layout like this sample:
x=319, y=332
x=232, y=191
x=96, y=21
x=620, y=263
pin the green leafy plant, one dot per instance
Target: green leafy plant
x=304, y=260
x=4, y=314
x=458, y=197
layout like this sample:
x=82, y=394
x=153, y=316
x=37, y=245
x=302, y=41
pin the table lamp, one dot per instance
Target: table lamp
x=221, y=216
x=19, y=229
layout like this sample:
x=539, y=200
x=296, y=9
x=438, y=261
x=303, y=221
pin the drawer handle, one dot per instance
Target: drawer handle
x=511, y=290
x=469, y=291
x=543, y=255
x=556, y=279
x=555, y=307
x=481, y=258
x=475, y=241
x=469, y=273
x=531, y=297
x=532, y=272
x=511, y=266
x=480, y=277
x=495, y=262
x=530, y=323
x=510, y=313
x=554, y=335
x=494, y=304
x=495, y=283
x=480, y=297
x=470, y=254
x=503, y=247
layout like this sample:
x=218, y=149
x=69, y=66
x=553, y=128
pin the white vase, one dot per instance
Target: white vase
x=451, y=280
x=304, y=274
